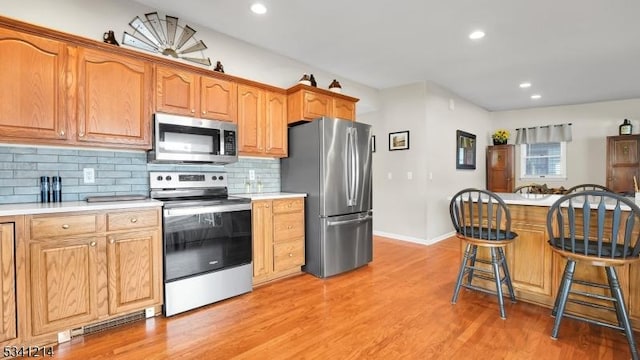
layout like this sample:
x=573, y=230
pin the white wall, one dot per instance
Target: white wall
x=592, y=123
x=417, y=209
x=91, y=18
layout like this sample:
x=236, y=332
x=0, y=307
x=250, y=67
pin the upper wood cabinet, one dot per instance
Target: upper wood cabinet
x=262, y=124
x=114, y=99
x=307, y=103
x=182, y=92
x=500, y=168
x=623, y=162
x=35, y=87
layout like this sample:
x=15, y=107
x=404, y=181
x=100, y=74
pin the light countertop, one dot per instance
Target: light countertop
x=267, y=196
x=544, y=200
x=65, y=206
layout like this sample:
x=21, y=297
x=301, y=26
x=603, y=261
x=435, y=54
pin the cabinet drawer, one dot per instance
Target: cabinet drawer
x=288, y=255
x=288, y=205
x=50, y=226
x=288, y=226
x=132, y=219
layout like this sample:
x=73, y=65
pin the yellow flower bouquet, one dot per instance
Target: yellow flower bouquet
x=500, y=136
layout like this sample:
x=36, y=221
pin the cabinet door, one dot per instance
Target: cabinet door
x=262, y=225
x=134, y=270
x=7, y=283
x=531, y=275
x=623, y=162
x=316, y=105
x=218, y=99
x=500, y=168
x=276, y=125
x=114, y=99
x=64, y=283
x=344, y=109
x=176, y=91
x=250, y=119
x=33, y=90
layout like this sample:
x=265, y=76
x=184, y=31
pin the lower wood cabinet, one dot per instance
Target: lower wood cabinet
x=278, y=238
x=8, y=314
x=110, y=264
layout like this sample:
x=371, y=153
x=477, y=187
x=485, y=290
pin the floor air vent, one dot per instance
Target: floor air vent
x=111, y=323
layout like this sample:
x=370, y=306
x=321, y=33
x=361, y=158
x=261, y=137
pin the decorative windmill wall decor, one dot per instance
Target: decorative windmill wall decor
x=159, y=36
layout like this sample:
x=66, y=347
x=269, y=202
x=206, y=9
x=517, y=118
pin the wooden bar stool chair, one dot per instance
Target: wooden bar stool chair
x=482, y=220
x=595, y=228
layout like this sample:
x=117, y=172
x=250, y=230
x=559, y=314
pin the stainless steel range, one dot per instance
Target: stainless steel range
x=206, y=237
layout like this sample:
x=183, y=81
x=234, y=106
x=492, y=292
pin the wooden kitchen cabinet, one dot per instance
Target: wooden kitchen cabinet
x=8, y=308
x=182, y=92
x=114, y=99
x=623, y=162
x=307, y=103
x=262, y=123
x=278, y=238
x=34, y=91
x=92, y=266
x=500, y=168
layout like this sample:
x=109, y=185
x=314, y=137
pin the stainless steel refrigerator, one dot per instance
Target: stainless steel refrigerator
x=330, y=160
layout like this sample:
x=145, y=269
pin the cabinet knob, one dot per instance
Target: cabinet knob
x=112, y=241
x=61, y=132
x=266, y=206
x=134, y=220
x=65, y=226
x=290, y=255
x=193, y=111
x=92, y=244
x=289, y=227
x=289, y=205
x=81, y=134
x=204, y=112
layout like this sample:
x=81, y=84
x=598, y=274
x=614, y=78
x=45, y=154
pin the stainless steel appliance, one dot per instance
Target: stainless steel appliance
x=181, y=139
x=330, y=160
x=206, y=237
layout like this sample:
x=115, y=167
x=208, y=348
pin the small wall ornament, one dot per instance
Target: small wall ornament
x=626, y=128
x=165, y=36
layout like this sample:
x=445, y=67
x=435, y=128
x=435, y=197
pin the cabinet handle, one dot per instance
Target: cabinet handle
x=65, y=226
x=92, y=244
x=134, y=220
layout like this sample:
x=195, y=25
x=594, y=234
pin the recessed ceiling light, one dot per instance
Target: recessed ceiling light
x=478, y=34
x=258, y=8
x=525, y=85
x=536, y=96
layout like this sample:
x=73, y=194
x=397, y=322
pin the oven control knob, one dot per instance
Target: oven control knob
x=214, y=178
x=220, y=178
x=159, y=178
x=168, y=178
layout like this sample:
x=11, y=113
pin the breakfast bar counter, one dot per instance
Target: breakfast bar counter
x=536, y=270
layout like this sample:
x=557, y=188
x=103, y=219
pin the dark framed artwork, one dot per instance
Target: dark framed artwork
x=399, y=140
x=465, y=150
x=373, y=143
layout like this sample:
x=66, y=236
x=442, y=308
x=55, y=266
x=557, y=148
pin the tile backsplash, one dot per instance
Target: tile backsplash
x=116, y=172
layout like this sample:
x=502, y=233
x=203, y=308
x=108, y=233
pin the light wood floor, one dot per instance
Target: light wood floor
x=397, y=307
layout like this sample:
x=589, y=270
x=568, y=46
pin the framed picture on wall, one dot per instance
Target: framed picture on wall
x=399, y=140
x=465, y=150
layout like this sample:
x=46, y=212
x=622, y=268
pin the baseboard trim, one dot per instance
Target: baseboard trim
x=414, y=239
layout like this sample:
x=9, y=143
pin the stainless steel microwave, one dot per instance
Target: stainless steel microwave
x=182, y=139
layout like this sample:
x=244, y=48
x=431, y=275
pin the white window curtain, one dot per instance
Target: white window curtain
x=544, y=134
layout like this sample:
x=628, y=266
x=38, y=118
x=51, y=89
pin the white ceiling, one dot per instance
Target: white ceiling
x=572, y=51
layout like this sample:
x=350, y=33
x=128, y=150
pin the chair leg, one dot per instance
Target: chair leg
x=563, y=295
x=463, y=266
x=616, y=304
x=621, y=309
x=507, y=276
x=496, y=274
x=472, y=262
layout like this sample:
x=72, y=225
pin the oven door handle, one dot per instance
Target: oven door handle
x=205, y=209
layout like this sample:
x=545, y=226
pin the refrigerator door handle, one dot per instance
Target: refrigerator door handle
x=356, y=167
x=347, y=166
x=343, y=222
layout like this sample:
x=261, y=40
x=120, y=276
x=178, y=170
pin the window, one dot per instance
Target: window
x=544, y=160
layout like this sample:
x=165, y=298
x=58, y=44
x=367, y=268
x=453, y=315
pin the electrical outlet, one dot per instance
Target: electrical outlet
x=409, y=175
x=252, y=175
x=64, y=336
x=89, y=175
x=149, y=312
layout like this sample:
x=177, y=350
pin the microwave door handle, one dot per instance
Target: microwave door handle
x=221, y=142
